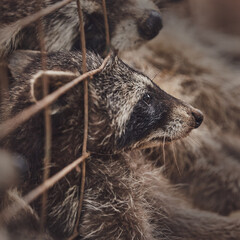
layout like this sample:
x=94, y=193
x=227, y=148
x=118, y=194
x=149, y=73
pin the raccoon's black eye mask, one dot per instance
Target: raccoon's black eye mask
x=148, y=115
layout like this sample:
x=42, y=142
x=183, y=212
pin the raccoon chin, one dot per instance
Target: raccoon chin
x=159, y=141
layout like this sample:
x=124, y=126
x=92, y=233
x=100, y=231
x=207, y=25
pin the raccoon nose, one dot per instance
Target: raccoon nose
x=150, y=25
x=198, y=117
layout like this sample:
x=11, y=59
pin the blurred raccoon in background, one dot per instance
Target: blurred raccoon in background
x=131, y=23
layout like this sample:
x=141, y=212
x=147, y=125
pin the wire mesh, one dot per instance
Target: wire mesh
x=11, y=124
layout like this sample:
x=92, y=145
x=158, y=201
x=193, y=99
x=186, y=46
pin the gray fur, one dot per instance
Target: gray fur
x=61, y=28
x=124, y=199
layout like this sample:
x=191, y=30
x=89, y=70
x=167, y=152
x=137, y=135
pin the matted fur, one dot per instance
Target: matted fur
x=124, y=198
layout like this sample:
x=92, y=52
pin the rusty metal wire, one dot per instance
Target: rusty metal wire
x=106, y=25
x=85, y=134
x=29, y=112
x=11, y=124
x=47, y=118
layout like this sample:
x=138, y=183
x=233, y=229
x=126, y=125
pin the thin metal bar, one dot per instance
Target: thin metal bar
x=84, y=68
x=13, y=209
x=54, y=179
x=84, y=149
x=47, y=120
x=11, y=124
x=106, y=25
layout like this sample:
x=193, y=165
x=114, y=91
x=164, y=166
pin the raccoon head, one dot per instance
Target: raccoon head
x=131, y=23
x=137, y=112
x=126, y=109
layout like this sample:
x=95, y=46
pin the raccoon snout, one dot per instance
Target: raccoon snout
x=198, y=117
x=150, y=25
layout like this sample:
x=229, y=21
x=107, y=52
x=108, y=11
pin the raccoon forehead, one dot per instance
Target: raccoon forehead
x=144, y=81
x=120, y=90
x=120, y=97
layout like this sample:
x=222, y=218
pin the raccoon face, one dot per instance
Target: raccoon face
x=126, y=109
x=139, y=113
x=159, y=117
x=131, y=23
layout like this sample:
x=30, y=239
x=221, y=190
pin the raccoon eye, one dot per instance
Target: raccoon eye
x=147, y=98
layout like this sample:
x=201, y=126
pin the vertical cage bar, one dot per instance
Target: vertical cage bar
x=84, y=147
x=106, y=25
x=47, y=120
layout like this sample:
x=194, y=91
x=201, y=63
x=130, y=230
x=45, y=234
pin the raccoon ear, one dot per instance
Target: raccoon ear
x=56, y=79
x=111, y=62
x=19, y=60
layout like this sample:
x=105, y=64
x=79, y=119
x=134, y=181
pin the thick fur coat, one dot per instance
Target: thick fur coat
x=124, y=198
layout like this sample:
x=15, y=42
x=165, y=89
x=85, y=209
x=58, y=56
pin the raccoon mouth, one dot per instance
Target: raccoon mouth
x=159, y=141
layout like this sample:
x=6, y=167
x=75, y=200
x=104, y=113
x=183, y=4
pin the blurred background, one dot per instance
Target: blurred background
x=219, y=15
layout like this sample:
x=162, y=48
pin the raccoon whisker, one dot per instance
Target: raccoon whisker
x=174, y=156
x=163, y=149
x=194, y=140
x=157, y=74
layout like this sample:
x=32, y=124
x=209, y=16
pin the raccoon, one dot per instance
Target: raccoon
x=206, y=165
x=122, y=199
x=131, y=23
